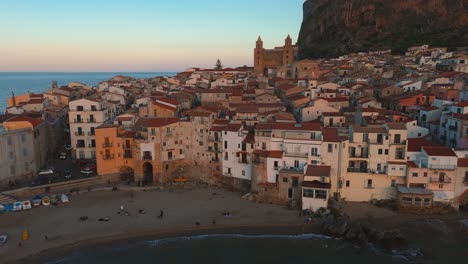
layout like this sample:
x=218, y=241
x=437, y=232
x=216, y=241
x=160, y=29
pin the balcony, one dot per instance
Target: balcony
x=147, y=157
x=91, y=134
x=216, y=150
x=107, y=145
x=78, y=120
x=440, y=180
x=80, y=146
x=79, y=133
x=369, y=186
x=375, y=141
x=213, y=138
x=296, y=155
x=400, y=157
x=359, y=170
x=361, y=155
x=91, y=120
x=91, y=145
x=402, y=142
x=243, y=161
x=108, y=157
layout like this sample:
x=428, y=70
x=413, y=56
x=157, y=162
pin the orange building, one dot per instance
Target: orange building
x=271, y=58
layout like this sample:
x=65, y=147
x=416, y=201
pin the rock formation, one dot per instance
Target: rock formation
x=334, y=27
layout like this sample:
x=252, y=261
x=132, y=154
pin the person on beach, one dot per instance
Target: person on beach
x=161, y=214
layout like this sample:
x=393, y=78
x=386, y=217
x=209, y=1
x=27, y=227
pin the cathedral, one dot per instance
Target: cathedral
x=264, y=59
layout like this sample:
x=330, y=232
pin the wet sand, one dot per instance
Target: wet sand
x=182, y=210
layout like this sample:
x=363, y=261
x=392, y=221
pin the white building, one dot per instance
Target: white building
x=84, y=116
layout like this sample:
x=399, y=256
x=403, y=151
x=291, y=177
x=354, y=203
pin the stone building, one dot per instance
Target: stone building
x=272, y=58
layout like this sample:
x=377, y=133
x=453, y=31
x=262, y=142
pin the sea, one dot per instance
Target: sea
x=234, y=249
x=37, y=82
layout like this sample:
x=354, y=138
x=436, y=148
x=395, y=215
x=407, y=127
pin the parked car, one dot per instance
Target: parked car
x=63, y=156
x=67, y=174
x=92, y=166
x=86, y=171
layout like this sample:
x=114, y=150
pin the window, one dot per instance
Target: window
x=180, y=151
x=285, y=179
x=369, y=183
x=320, y=194
x=153, y=131
x=226, y=156
x=275, y=165
x=415, y=174
x=365, y=137
x=93, y=108
x=79, y=108
x=441, y=186
x=295, y=181
x=347, y=183
x=225, y=144
x=243, y=172
x=314, y=152
x=201, y=143
x=380, y=151
x=11, y=155
x=330, y=148
x=425, y=174
x=397, y=139
x=167, y=166
x=308, y=193
x=296, y=164
x=393, y=184
x=386, y=152
x=168, y=130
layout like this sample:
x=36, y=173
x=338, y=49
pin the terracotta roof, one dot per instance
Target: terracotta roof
x=439, y=151
x=316, y=170
x=249, y=139
x=167, y=100
x=36, y=101
x=316, y=184
x=156, y=121
x=330, y=134
x=34, y=122
x=336, y=99
x=124, y=118
x=415, y=144
x=313, y=126
x=221, y=122
x=462, y=162
x=361, y=129
x=233, y=127
x=411, y=164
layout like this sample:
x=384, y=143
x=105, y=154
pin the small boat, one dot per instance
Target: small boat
x=54, y=199
x=3, y=239
x=27, y=205
x=45, y=201
x=2, y=209
x=64, y=198
x=17, y=206
x=37, y=200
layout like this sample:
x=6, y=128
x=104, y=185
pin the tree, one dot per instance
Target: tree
x=218, y=65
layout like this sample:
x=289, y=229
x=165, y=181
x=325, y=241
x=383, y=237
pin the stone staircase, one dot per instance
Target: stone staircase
x=4, y=198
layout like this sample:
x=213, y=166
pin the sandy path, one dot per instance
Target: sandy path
x=181, y=211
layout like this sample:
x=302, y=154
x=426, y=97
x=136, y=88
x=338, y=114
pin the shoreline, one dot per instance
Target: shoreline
x=146, y=236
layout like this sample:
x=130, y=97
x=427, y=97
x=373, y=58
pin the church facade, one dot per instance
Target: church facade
x=266, y=59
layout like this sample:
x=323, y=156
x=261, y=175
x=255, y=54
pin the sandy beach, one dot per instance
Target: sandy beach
x=182, y=209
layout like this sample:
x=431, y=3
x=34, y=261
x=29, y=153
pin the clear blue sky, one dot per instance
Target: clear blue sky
x=139, y=35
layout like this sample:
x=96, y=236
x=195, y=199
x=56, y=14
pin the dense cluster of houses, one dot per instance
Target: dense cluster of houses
x=366, y=126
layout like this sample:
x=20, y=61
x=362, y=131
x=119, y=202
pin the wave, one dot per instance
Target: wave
x=158, y=242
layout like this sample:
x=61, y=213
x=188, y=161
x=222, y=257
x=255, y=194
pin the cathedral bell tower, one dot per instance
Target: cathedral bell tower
x=258, y=56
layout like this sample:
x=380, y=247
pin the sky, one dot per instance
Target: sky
x=139, y=35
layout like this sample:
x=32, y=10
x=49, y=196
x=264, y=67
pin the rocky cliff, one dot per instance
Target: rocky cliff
x=335, y=27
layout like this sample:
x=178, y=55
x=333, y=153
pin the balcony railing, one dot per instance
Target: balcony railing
x=79, y=133
x=399, y=157
x=401, y=142
x=107, y=145
x=108, y=157
x=91, y=134
x=439, y=180
x=294, y=154
x=375, y=141
x=361, y=155
x=92, y=120
x=78, y=121
x=244, y=161
x=91, y=145
x=147, y=157
x=80, y=146
x=359, y=170
x=369, y=186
